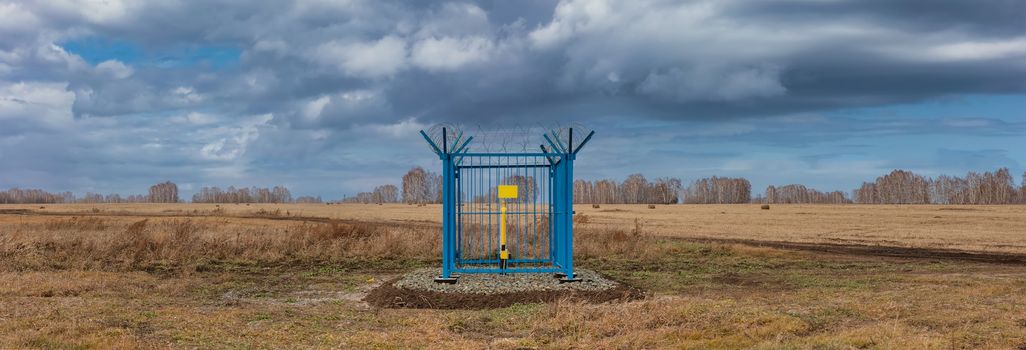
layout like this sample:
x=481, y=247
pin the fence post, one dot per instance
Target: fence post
x=568, y=249
x=448, y=219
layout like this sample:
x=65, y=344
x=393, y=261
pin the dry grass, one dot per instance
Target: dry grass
x=203, y=277
x=979, y=228
x=129, y=243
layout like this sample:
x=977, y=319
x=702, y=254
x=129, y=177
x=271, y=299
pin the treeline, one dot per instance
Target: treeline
x=904, y=187
x=24, y=196
x=636, y=189
x=166, y=192
x=309, y=199
x=420, y=187
x=90, y=197
x=718, y=190
x=277, y=194
x=799, y=194
x=380, y=194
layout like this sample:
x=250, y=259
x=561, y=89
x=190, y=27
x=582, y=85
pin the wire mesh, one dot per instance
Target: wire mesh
x=527, y=217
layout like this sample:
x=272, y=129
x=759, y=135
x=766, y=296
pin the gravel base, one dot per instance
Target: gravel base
x=423, y=280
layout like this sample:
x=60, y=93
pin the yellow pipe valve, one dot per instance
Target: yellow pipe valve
x=505, y=192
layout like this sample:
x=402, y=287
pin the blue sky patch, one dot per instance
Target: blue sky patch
x=95, y=50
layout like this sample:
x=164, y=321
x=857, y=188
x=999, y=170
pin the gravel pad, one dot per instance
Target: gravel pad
x=480, y=283
x=418, y=289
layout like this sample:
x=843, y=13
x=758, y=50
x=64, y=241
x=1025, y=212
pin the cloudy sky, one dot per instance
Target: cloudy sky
x=326, y=97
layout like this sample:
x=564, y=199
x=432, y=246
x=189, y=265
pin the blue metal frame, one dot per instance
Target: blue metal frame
x=469, y=237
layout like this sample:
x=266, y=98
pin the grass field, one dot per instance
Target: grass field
x=720, y=276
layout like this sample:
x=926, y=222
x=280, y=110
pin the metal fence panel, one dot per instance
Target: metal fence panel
x=538, y=222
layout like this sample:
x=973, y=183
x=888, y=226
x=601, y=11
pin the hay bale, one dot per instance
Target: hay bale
x=765, y=207
x=651, y=206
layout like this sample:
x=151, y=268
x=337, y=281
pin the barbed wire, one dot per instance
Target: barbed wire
x=580, y=132
x=491, y=139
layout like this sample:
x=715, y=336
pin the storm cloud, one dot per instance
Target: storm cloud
x=327, y=96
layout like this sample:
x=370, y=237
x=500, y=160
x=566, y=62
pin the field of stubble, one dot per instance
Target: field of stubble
x=720, y=276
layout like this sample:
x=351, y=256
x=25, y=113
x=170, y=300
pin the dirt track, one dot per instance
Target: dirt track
x=877, y=250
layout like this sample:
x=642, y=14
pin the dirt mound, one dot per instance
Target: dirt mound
x=390, y=296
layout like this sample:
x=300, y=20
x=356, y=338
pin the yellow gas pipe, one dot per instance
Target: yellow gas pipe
x=505, y=192
x=503, y=253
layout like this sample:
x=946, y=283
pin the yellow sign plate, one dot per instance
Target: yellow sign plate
x=508, y=191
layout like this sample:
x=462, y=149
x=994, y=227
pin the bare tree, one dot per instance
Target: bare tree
x=386, y=194
x=799, y=194
x=903, y=187
x=165, y=192
x=897, y=187
x=668, y=190
x=309, y=199
x=417, y=186
x=279, y=194
x=718, y=190
x=34, y=196
x=1022, y=190
x=584, y=192
x=634, y=190
x=607, y=191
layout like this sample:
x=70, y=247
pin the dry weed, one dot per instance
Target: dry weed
x=77, y=224
x=93, y=243
x=609, y=241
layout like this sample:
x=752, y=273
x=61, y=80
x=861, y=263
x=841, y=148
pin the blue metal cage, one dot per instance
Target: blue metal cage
x=539, y=222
